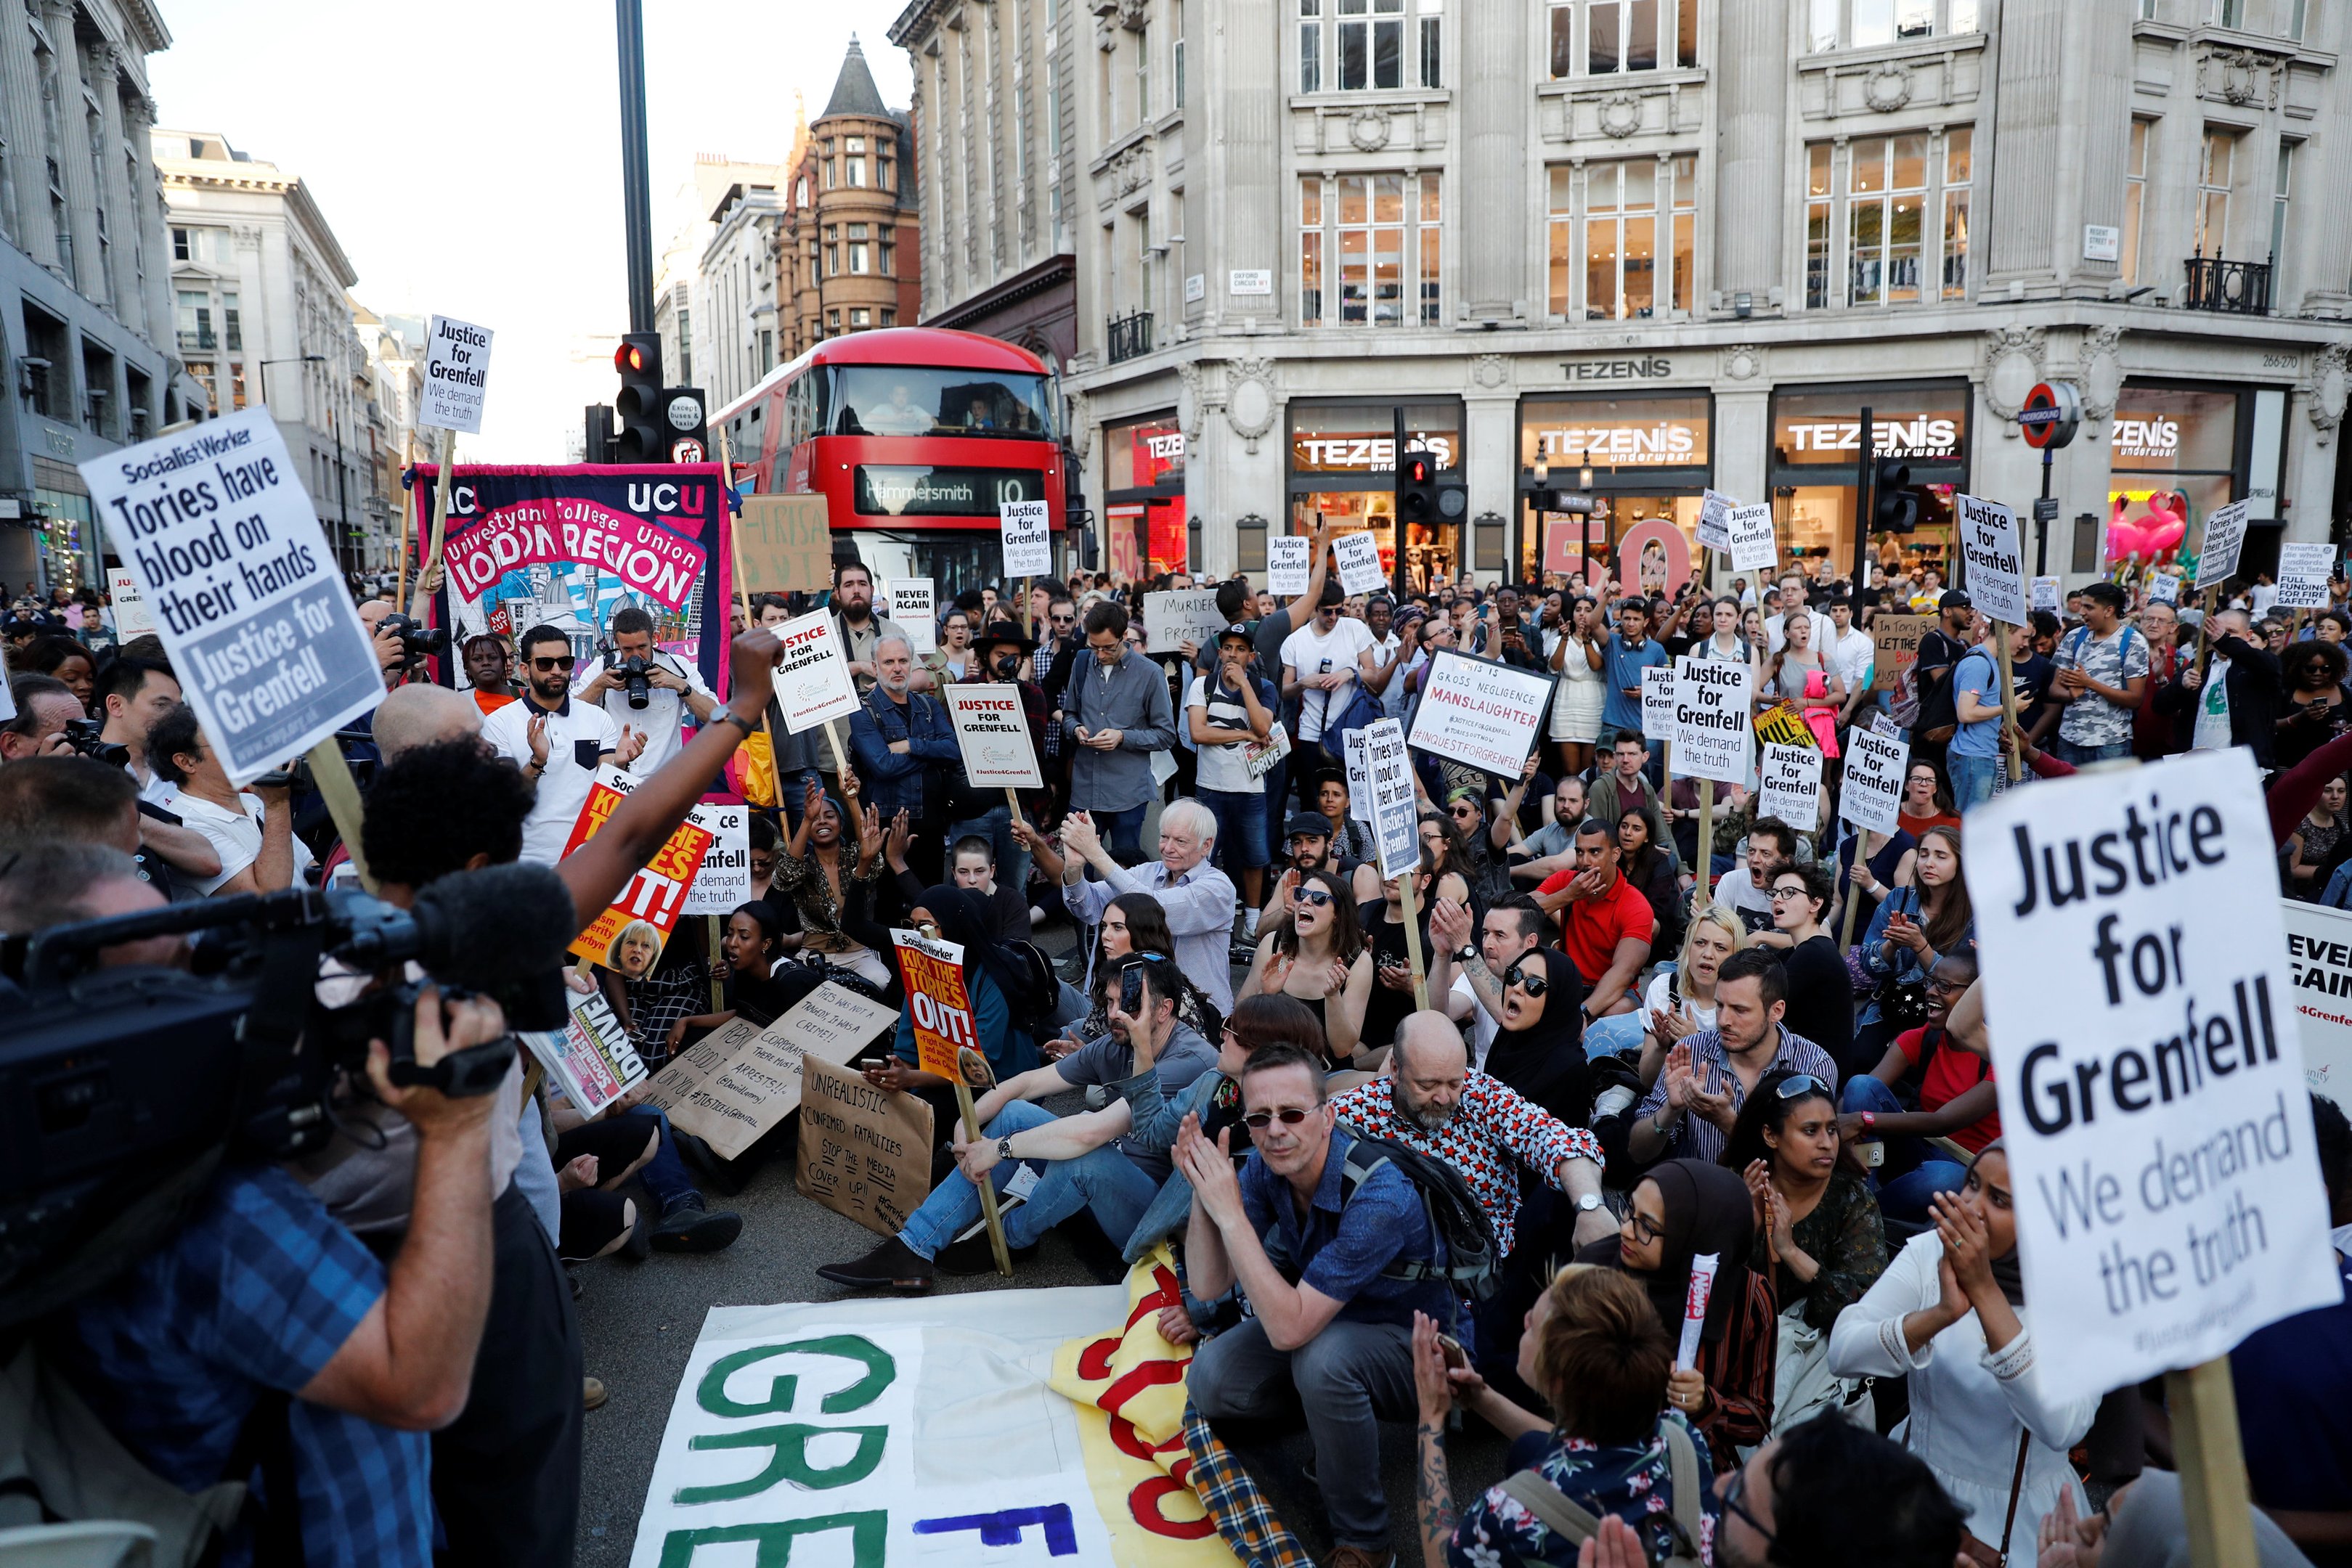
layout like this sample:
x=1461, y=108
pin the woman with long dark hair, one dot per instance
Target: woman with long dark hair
x=1576, y=710
x=1913, y=927
x=826, y=870
x=1820, y=989
x=1319, y=959
x=1132, y=923
x=1652, y=871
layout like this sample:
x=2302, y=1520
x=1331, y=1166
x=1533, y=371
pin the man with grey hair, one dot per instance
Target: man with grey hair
x=48, y=884
x=1198, y=899
x=905, y=746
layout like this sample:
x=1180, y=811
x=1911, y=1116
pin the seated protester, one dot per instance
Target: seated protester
x=1913, y=927
x=251, y=830
x=1948, y=1316
x=1132, y=923
x=1831, y=1494
x=1552, y=846
x=1197, y=900
x=1538, y=1051
x=1339, y=1341
x=751, y=954
x=1821, y=988
x=1681, y=1000
x=1817, y=1230
x=974, y=869
x=1310, y=846
x=1651, y=870
x=1470, y=978
x=1318, y=957
x=1691, y=1109
x=820, y=871
x=1084, y=1159
x=955, y=914
x=1383, y=925
x=1677, y=1210
x=1481, y=861
x=1957, y=1101
x=1596, y=1349
x=1351, y=837
x=1622, y=786
x=1746, y=889
x=1607, y=927
x=1886, y=862
x=594, y=1161
x=2146, y=1522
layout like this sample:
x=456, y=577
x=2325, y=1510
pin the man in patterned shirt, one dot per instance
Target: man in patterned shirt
x=2103, y=672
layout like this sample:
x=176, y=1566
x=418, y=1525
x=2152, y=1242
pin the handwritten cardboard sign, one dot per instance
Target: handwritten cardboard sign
x=1895, y=647
x=739, y=1082
x=786, y=543
x=863, y=1152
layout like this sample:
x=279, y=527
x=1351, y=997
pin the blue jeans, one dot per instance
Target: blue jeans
x=2066, y=751
x=1972, y=779
x=1914, y=1170
x=664, y=1176
x=1241, y=829
x=1120, y=830
x=1103, y=1179
x=996, y=826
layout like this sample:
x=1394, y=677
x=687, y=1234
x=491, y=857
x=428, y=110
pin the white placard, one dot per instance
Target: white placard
x=2319, y=953
x=457, y=369
x=1187, y=616
x=1396, y=829
x=1289, y=562
x=2163, y=589
x=1698, y=1290
x=992, y=729
x=1884, y=724
x=1360, y=775
x=1996, y=561
x=214, y=526
x=812, y=675
x=1249, y=280
x=1715, y=510
x=2303, y=571
x=1258, y=757
x=722, y=882
x=1028, y=539
x=1870, y=791
x=2145, y=1041
x=2045, y=593
x=2225, y=536
x=590, y=1059
x=1753, y=546
x=1359, y=555
x=1714, y=702
x=131, y=618
x=1480, y=712
x=1658, y=702
x=914, y=605
x=1791, y=786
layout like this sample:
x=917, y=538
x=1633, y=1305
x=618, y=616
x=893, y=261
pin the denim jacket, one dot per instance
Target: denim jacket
x=1906, y=967
x=910, y=781
x=1155, y=1119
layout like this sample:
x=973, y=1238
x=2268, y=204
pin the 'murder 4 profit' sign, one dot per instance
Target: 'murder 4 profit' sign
x=2146, y=1046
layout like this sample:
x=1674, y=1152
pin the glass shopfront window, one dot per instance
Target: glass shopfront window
x=2175, y=455
x=1343, y=470
x=1643, y=459
x=1816, y=458
x=1143, y=499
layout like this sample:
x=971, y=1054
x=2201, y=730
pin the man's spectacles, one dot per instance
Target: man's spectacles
x=1534, y=985
x=1735, y=1488
x=1314, y=895
x=561, y=662
x=1259, y=1121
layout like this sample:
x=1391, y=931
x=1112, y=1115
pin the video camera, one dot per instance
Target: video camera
x=416, y=642
x=296, y=775
x=86, y=736
x=117, y=1083
x=634, y=674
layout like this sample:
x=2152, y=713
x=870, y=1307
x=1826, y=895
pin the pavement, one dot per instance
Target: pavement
x=639, y=1320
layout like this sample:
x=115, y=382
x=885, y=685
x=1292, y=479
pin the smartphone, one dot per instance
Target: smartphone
x=1874, y=1153
x=1130, y=991
x=1454, y=1355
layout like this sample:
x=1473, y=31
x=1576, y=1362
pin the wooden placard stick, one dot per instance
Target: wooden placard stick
x=2000, y=632
x=1852, y=896
x=743, y=597
x=407, y=510
x=717, y=985
x=2215, y=1500
x=987, y=1188
x=1412, y=940
x=428, y=571
x=333, y=775
x=1705, y=845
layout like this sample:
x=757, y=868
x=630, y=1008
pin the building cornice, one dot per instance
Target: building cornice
x=1052, y=272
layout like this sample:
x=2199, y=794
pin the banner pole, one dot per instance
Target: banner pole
x=426, y=568
x=336, y=786
x=1705, y=844
x=1028, y=586
x=407, y=510
x=2215, y=1500
x=743, y=597
x=2008, y=704
x=987, y=1187
x=1412, y=940
x=717, y=985
x=1845, y=922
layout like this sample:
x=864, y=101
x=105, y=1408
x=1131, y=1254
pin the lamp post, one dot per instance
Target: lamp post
x=294, y=360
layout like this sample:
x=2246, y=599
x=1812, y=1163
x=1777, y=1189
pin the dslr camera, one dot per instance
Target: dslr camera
x=635, y=674
x=416, y=642
x=83, y=736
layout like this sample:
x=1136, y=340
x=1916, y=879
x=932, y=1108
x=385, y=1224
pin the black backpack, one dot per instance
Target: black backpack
x=1471, y=1262
x=1035, y=994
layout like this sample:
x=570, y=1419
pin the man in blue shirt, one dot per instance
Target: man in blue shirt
x=1973, y=760
x=1330, y=1318
x=1629, y=651
x=905, y=747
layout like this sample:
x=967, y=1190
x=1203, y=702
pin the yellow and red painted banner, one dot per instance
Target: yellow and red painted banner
x=629, y=936
x=937, y=1000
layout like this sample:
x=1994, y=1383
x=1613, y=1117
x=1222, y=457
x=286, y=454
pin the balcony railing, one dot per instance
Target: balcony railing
x=2234, y=288
x=1129, y=336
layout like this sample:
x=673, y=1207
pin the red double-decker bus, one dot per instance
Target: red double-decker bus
x=915, y=436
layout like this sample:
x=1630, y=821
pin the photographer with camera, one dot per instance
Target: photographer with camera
x=44, y=705
x=132, y=694
x=251, y=830
x=557, y=742
x=402, y=643
x=645, y=688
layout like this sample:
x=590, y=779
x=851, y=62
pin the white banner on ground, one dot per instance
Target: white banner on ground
x=1481, y=713
x=1289, y=560
x=2044, y=594
x=2140, y=1003
x=1996, y=561
x=1358, y=557
x=1658, y=702
x=457, y=370
x=1028, y=539
x=131, y=618
x=914, y=605
x=992, y=729
x=590, y=1059
x=1870, y=792
x=2319, y=958
x=2303, y=571
x=1715, y=510
x=1396, y=827
x=1753, y=546
x=2225, y=536
x=1713, y=702
x=1187, y=616
x=812, y=675
x=1791, y=786
x=1360, y=777
x=214, y=525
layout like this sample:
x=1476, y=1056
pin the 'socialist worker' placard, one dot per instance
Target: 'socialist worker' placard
x=457, y=370
x=936, y=1000
x=2225, y=536
x=811, y=677
x=1711, y=705
x=214, y=525
x=2146, y=1045
x=1395, y=827
x=992, y=730
x=2303, y=573
x=1480, y=713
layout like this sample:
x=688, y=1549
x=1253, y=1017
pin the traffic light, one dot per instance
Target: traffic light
x=1895, y=509
x=683, y=430
x=639, y=406
x=1421, y=497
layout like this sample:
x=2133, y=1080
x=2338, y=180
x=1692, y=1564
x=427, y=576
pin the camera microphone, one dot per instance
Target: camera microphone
x=489, y=930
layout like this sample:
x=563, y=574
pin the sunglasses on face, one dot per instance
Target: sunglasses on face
x=1314, y=895
x=1289, y=1115
x=1534, y=984
x=563, y=661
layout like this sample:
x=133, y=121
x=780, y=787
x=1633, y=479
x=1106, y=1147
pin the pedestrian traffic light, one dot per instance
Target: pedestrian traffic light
x=639, y=406
x=1895, y=510
x=683, y=426
x=1421, y=497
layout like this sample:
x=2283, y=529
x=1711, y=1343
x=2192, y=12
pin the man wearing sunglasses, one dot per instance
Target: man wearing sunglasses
x=559, y=742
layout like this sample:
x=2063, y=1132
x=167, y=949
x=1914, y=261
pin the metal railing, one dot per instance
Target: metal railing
x=1129, y=335
x=2234, y=288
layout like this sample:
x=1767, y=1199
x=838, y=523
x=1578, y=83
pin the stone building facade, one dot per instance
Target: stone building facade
x=850, y=249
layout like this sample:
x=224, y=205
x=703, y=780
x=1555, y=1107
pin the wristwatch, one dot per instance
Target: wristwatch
x=1870, y=1120
x=1004, y=1147
x=728, y=715
x=1466, y=954
x=1590, y=1202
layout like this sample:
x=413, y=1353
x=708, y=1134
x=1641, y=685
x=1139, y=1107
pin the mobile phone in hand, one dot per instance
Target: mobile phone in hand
x=1455, y=1356
x=1130, y=990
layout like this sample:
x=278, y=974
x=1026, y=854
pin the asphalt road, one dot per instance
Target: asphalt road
x=639, y=1321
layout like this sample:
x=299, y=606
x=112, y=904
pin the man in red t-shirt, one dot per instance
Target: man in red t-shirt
x=1957, y=1101
x=1607, y=926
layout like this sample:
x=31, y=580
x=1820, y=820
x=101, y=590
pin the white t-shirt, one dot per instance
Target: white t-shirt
x=235, y=836
x=1738, y=890
x=1221, y=766
x=659, y=720
x=1850, y=656
x=577, y=736
x=1654, y=1001
x=1483, y=1025
x=1305, y=652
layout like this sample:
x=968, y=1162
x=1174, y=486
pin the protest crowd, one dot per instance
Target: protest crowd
x=1643, y=1119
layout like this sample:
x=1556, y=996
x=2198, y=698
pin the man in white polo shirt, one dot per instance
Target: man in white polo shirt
x=557, y=742
x=674, y=690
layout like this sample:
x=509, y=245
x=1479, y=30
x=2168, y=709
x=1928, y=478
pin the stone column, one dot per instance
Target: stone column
x=114, y=190
x=27, y=142
x=1752, y=181
x=1491, y=203
x=155, y=242
x=74, y=152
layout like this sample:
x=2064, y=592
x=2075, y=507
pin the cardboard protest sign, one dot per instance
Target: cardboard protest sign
x=1360, y=775
x=812, y=674
x=1791, y=786
x=1480, y=712
x=1781, y=725
x=936, y=1000
x=863, y=1152
x=629, y=935
x=1712, y=700
x=1396, y=826
x=457, y=370
x=1188, y=615
x=739, y=1082
x=590, y=1059
x=2163, y=589
x=785, y=543
x=1028, y=538
x=992, y=729
x=1358, y=557
x=2319, y=959
x=1996, y=561
x=1715, y=510
x=1289, y=560
x=216, y=528
x=723, y=883
x=2140, y=999
x=2225, y=536
x=914, y=605
x=1895, y=647
x=1753, y=546
x=1870, y=792
x=2044, y=594
x=1658, y=703
x=131, y=618
x=2303, y=572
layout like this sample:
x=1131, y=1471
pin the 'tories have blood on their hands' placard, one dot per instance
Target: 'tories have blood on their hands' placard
x=2145, y=1040
x=992, y=730
x=456, y=370
x=215, y=526
x=1480, y=712
x=2225, y=537
x=936, y=1000
x=1711, y=730
x=812, y=677
x=1396, y=831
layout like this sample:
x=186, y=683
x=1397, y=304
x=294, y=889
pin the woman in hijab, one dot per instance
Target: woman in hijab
x=1949, y=1315
x=958, y=915
x=1681, y=1210
x=1538, y=1050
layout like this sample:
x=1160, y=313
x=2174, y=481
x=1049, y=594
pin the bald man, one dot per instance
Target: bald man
x=419, y=715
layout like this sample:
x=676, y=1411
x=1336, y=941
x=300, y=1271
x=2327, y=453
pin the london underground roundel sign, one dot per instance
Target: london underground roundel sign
x=2051, y=415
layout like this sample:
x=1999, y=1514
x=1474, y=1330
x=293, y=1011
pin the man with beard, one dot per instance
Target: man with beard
x=558, y=743
x=858, y=627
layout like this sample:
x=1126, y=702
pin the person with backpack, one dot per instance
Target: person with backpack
x=2103, y=673
x=1333, y=1255
x=1974, y=758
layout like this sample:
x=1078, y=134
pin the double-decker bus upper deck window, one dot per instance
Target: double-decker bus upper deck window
x=907, y=401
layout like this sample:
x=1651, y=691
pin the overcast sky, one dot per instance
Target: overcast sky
x=466, y=152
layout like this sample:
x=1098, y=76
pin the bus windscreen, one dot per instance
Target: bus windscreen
x=908, y=400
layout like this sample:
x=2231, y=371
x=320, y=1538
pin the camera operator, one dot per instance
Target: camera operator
x=252, y=829
x=74, y=871
x=559, y=742
x=44, y=705
x=390, y=651
x=644, y=687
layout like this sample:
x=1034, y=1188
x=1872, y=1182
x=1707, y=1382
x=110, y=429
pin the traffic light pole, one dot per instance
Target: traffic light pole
x=637, y=211
x=1400, y=584
x=1865, y=504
